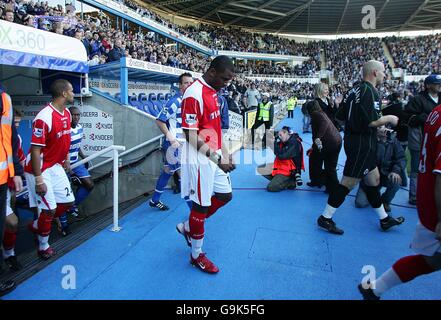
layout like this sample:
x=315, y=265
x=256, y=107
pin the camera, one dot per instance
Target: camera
x=390, y=133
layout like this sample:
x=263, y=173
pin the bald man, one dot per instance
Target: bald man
x=361, y=113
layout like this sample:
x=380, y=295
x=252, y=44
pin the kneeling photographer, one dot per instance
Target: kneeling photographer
x=289, y=160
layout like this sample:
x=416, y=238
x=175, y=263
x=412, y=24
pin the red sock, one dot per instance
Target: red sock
x=44, y=224
x=61, y=209
x=408, y=268
x=9, y=239
x=197, y=221
x=215, y=205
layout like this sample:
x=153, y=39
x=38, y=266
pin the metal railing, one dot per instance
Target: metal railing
x=115, y=158
x=139, y=146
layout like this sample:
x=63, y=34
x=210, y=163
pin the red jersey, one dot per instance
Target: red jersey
x=201, y=111
x=51, y=130
x=21, y=157
x=430, y=166
x=20, y=153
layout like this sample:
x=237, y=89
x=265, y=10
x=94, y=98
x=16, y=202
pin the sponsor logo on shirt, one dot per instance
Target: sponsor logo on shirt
x=38, y=132
x=62, y=133
x=214, y=114
x=190, y=118
x=377, y=105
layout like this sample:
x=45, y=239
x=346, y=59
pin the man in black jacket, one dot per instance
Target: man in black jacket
x=416, y=112
x=391, y=163
x=395, y=107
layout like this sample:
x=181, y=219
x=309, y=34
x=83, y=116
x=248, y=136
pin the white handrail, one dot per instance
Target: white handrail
x=115, y=157
x=139, y=146
x=96, y=155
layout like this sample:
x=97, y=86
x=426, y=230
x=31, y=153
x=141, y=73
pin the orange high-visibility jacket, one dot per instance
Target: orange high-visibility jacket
x=6, y=154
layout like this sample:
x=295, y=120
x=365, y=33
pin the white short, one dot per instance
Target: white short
x=9, y=210
x=58, y=186
x=424, y=241
x=200, y=177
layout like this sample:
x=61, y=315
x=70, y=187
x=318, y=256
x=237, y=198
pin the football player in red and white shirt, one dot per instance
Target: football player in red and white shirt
x=427, y=240
x=205, y=163
x=48, y=184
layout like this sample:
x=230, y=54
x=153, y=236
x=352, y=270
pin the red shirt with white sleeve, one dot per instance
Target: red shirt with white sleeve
x=430, y=166
x=201, y=111
x=51, y=131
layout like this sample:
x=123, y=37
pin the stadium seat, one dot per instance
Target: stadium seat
x=144, y=102
x=135, y=103
x=161, y=99
x=155, y=106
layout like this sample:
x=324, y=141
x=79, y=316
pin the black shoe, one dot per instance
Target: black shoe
x=387, y=207
x=368, y=294
x=176, y=190
x=159, y=205
x=6, y=287
x=13, y=263
x=329, y=225
x=413, y=201
x=312, y=185
x=389, y=222
x=79, y=218
x=65, y=232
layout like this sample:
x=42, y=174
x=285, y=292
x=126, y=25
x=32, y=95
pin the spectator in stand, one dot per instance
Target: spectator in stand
x=9, y=15
x=28, y=20
x=234, y=104
x=96, y=47
x=117, y=52
x=253, y=97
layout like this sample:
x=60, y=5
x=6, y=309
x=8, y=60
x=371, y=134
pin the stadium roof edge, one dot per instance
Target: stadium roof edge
x=23, y=46
x=307, y=17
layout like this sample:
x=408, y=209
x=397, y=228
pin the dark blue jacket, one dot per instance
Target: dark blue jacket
x=391, y=158
x=225, y=119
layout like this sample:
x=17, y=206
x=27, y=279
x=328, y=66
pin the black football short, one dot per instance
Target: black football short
x=361, y=156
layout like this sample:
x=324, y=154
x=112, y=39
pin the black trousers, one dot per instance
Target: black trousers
x=291, y=114
x=3, y=189
x=328, y=159
x=256, y=125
